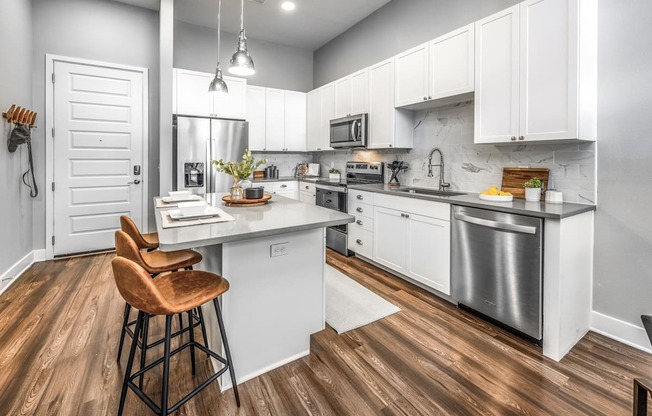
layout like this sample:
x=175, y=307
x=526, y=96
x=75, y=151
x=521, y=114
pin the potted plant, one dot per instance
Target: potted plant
x=239, y=171
x=533, y=189
x=334, y=174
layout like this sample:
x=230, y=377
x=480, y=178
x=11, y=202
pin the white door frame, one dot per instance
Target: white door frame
x=49, y=151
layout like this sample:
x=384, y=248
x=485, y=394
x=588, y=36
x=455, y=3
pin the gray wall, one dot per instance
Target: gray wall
x=100, y=30
x=15, y=88
x=277, y=66
x=395, y=27
x=623, y=229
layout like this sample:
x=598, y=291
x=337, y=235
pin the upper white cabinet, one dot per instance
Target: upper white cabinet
x=437, y=69
x=351, y=94
x=277, y=119
x=321, y=110
x=191, y=96
x=535, y=77
x=388, y=126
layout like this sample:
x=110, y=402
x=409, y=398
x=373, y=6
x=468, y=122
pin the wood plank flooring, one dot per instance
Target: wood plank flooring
x=60, y=323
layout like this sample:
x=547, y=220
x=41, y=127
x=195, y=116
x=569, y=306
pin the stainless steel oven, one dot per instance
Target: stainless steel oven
x=349, y=131
x=334, y=197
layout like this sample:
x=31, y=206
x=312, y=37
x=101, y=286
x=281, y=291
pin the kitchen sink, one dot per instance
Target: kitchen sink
x=426, y=191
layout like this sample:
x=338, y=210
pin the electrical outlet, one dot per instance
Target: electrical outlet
x=280, y=249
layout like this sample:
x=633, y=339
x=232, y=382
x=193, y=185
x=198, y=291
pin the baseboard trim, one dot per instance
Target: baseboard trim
x=20, y=267
x=621, y=331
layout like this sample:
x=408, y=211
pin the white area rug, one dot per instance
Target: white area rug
x=350, y=305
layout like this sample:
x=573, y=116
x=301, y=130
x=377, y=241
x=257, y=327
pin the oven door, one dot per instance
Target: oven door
x=331, y=198
x=349, y=131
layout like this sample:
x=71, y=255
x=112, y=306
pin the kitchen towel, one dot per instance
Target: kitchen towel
x=349, y=305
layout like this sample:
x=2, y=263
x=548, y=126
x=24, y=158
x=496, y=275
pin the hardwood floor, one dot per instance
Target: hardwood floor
x=60, y=323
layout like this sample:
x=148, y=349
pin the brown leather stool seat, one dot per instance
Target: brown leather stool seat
x=147, y=241
x=168, y=295
x=154, y=263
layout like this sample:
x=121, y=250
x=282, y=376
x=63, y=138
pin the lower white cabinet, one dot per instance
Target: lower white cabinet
x=361, y=231
x=307, y=192
x=289, y=189
x=360, y=241
x=412, y=237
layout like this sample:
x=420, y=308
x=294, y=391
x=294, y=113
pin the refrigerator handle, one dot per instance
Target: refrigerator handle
x=208, y=171
x=212, y=171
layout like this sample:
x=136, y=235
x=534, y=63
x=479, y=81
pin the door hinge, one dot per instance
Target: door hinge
x=53, y=77
x=52, y=240
x=52, y=186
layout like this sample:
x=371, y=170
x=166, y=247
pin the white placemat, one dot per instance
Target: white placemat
x=168, y=222
x=161, y=203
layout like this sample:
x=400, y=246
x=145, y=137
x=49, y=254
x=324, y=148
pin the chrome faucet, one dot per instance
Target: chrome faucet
x=442, y=184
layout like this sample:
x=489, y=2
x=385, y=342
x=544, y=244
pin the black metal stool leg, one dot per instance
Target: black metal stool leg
x=130, y=362
x=166, y=365
x=180, y=321
x=191, y=330
x=143, y=349
x=227, y=351
x=203, y=327
x=125, y=322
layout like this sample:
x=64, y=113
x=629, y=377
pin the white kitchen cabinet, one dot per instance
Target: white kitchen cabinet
x=535, y=77
x=275, y=120
x=437, y=69
x=191, y=96
x=388, y=126
x=307, y=192
x=360, y=241
x=321, y=109
x=256, y=117
x=412, y=237
x=351, y=94
x=289, y=189
x=295, y=121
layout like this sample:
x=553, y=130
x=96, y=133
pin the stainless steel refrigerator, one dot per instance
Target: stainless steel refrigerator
x=197, y=141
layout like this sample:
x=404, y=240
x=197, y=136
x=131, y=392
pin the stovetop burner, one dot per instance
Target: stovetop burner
x=358, y=173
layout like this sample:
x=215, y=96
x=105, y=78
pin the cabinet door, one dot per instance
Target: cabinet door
x=452, y=64
x=360, y=92
x=342, y=97
x=428, y=252
x=412, y=76
x=390, y=234
x=549, y=70
x=307, y=197
x=191, y=93
x=292, y=194
x=381, y=105
x=275, y=119
x=233, y=104
x=256, y=117
x=314, y=119
x=497, y=77
x=360, y=241
x=327, y=114
x=295, y=121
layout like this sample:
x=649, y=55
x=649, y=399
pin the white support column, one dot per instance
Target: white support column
x=166, y=49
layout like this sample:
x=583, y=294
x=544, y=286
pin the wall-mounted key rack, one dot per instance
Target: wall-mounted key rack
x=20, y=115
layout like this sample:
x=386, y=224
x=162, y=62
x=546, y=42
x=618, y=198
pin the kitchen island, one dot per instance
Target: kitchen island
x=273, y=257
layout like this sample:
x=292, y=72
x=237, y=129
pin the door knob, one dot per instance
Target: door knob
x=135, y=182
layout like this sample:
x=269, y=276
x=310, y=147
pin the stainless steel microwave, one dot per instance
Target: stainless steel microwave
x=349, y=131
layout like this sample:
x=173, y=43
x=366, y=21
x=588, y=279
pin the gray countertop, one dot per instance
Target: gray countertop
x=517, y=206
x=281, y=215
x=289, y=178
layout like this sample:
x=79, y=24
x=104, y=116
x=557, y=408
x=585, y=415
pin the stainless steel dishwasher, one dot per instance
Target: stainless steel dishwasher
x=497, y=267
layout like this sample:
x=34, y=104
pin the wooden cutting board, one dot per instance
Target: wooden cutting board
x=514, y=178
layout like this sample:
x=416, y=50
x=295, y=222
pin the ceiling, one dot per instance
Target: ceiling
x=312, y=24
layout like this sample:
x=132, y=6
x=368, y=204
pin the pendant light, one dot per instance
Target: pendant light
x=218, y=85
x=241, y=62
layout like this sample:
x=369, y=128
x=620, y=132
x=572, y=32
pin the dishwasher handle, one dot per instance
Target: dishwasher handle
x=525, y=229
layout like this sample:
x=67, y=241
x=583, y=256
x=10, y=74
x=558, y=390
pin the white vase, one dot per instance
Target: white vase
x=533, y=194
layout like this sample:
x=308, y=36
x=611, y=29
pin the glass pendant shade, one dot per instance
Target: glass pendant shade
x=218, y=85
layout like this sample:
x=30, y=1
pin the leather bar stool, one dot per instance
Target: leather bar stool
x=148, y=241
x=170, y=294
x=154, y=263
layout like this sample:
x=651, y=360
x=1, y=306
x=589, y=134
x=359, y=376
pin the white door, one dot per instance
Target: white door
x=256, y=117
x=295, y=121
x=275, y=119
x=412, y=76
x=428, y=258
x=98, y=146
x=342, y=97
x=452, y=63
x=497, y=77
x=390, y=235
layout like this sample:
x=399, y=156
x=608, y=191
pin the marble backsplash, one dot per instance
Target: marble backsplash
x=470, y=167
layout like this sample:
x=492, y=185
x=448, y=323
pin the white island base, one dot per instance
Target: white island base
x=273, y=304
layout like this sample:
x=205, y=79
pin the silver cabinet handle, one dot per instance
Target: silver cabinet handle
x=359, y=197
x=284, y=186
x=497, y=225
x=358, y=222
x=430, y=97
x=521, y=137
x=135, y=182
x=358, y=242
x=425, y=98
x=358, y=209
x=307, y=187
x=513, y=138
x=405, y=215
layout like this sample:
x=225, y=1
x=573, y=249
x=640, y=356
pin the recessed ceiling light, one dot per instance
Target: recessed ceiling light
x=288, y=5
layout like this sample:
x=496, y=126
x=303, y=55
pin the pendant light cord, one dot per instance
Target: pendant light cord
x=242, y=16
x=219, y=9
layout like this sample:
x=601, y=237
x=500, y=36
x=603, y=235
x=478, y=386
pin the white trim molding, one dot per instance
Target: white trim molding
x=9, y=276
x=621, y=331
x=50, y=59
